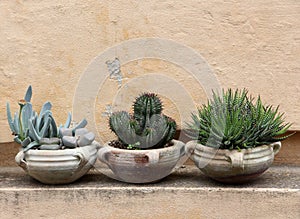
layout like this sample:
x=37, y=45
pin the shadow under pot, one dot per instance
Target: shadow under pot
x=58, y=166
x=141, y=166
x=232, y=166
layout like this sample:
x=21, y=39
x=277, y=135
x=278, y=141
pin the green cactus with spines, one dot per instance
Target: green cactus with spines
x=123, y=124
x=147, y=127
x=145, y=106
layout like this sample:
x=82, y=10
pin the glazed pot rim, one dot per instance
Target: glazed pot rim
x=253, y=149
x=61, y=151
x=176, y=144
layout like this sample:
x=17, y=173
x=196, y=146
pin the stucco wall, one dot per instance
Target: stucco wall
x=49, y=44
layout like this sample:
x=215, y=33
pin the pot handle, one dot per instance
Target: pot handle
x=237, y=159
x=276, y=147
x=83, y=158
x=20, y=160
x=182, y=151
x=189, y=148
x=102, y=154
x=153, y=157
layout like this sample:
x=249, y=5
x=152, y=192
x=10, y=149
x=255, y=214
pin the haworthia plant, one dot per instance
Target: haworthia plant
x=233, y=120
x=147, y=127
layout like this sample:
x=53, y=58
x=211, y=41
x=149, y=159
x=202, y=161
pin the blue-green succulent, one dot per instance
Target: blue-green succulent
x=39, y=130
x=19, y=123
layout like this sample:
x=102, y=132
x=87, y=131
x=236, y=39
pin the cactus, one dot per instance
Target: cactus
x=147, y=127
x=233, y=121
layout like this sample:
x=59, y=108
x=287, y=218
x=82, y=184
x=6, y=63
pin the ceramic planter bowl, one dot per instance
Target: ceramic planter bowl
x=58, y=166
x=141, y=166
x=232, y=166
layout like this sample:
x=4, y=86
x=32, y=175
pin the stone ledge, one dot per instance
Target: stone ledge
x=184, y=194
x=188, y=176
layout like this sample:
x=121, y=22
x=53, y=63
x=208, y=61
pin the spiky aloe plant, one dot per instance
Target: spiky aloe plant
x=234, y=120
x=147, y=127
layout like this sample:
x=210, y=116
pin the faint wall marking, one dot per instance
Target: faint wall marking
x=114, y=69
x=108, y=111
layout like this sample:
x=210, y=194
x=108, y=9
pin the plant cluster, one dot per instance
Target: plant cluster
x=147, y=127
x=234, y=120
x=38, y=130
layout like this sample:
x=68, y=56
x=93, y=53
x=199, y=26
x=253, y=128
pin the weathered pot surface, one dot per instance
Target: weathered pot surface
x=232, y=166
x=58, y=166
x=141, y=166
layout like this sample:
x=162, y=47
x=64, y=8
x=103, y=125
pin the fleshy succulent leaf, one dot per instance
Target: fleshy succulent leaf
x=28, y=94
x=26, y=115
x=17, y=140
x=80, y=125
x=16, y=124
x=46, y=107
x=53, y=128
x=9, y=119
x=68, y=121
x=33, y=133
x=26, y=142
x=45, y=129
x=31, y=145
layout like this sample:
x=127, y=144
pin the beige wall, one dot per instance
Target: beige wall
x=49, y=44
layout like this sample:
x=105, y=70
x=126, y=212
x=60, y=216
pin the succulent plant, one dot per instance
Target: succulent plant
x=19, y=124
x=33, y=130
x=43, y=129
x=147, y=127
x=234, y=120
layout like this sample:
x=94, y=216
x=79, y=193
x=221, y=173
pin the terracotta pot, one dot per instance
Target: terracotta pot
x=232, y=166
x=141, y=166
x=58, y=166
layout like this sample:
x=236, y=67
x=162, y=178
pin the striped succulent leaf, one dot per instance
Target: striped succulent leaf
x=233, y=120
